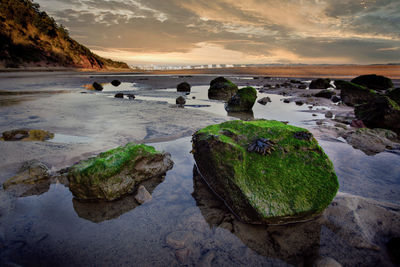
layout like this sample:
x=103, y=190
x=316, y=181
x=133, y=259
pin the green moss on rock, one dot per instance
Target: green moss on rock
x=295, y=182
x=373, y=81
x=354, y=94
x=222, y=89
x=394, y=95
x=243, y=100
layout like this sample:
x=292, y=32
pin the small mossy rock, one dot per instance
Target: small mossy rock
x=354, y=94
x=222, y=89
x=243, y=100
x=320, y=84
x=116, y=172
x=97, y=86
x=183, y=87
x=325, y=94
x=115, y=83
x=31, y=172
x=381, y=112
x=27, y=135
x=180, y=100
x=373, y=81
x=394, y=95
x=294, y=182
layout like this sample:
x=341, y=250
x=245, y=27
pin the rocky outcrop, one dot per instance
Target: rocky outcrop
x=31, y=172
x=258, y=167
x=394, y=95
x=222, y=89
x=27, y=135
x=117, y=172
x=320, y=84
x=374, y=82
x=183, y=87
x=325, y=94
x=353, y=94
x=243, y=100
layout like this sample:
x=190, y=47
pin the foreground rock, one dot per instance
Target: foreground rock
x=97, y=86
x=27, y=135
x=222, y=89
x=243, y=101
x=266, y=171
x=373, y=81
x=31, y=172
x=394, y=95
x=320, y=84
x=381, y=112
x=183, y=87
x=354, y=94
x=117, y=172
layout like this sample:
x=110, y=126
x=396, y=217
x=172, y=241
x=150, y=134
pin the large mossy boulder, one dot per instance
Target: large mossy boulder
x=320, y=83
x=183, y=87
x=117, y=172
x=222, y=89
x=394, y=95
x=354, y=94
x=243, y=100
x=373, y=81
x=266, y=171
x=381, y=112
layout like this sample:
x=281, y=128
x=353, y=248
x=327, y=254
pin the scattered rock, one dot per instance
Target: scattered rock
x=131, y=96
x=354, y=94
x=326, y=262
x=31, y=172
x=193, y=97
x=243, y=100
x=329, y=114
x=286, y=100
x=373, y=81
x=27, y=135
x=142, y=195
x=346, y=119
x=119, y=95
x=116, y=172
x=320, y=84
x=325, y=94
x=97, y=86
x=260, y=188
x=302, y=86
x=222, y=89
x=115, y=83
x=296, y=81
x=264, y=100
x=299, y=102
x=180, y=101
x=183, y=87
x=335, y=99
x=357, y=124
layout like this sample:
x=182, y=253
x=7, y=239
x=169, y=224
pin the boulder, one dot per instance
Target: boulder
x=183, y=87
x=320, y=84
x=325, y=94
x=265, y=171
x=97, y=86
x=264, y=100
x=27, y=135
x=180, y=101
x=302, y=86
x=381, y=112
x=373, y=81
x=394, y=95
x=119, y=95
x=243, y=101
x=354, y=94
x=335, y=99
x=222, y=89
x=31, y=172
x=142, y=195
x=117, y=172
x=115, y=83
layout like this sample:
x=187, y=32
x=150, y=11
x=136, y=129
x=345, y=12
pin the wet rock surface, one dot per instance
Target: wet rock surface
x=320, y=84
x=183, y=87
x=31, y=172
x=374, y=82
x=352, y=94
x=222, y=88
x=243, y=100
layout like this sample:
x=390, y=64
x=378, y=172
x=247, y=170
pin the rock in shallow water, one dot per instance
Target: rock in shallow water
x=243, y=101
x=31, y=172
x=222, y=89
x=295, y=182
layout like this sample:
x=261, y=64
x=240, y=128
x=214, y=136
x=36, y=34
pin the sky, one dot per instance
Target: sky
x=189, y=32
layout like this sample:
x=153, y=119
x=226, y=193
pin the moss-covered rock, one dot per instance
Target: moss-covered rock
x=266, y=171
x=243, y=100
x=222, y=89
x=394, y=95
x=117, y=172
x=325, y=94
x=381, y=112
x=373, y=81
x=27, y=135
x=320, y=83
x=183, y=87
x=353, y=94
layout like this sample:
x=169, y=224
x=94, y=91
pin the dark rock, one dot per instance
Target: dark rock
x=97, y=86
x=286, y=84
x=222, y=89
x=243, y=100
x=354, y=94
x=31, y=172
x=264, y=100
x=286, y=101
x=329, y=114
x=373, y=81
x=325, y=94
x=296, y=81
x=119, y=95
x=320, y=84
x=277, y=85
x=394, y=95
x=299, y=102
x=183, y=87
x=27, y=135
x=115, y=83
x=130, y=96
x=346, y=119
x=393, y=247
x=180, y=100
x=381, y=112
x=358, y=124
x=335, y=99
x=302, y=86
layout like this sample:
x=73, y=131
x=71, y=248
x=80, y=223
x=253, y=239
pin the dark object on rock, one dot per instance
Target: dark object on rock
x=180, y=101
x=115, y=83
x=303, y=135
x=393, y=247
x=299, y=102
x=30, y=172
x=264, y=100
x=117, y=172
x=320, y=84
x=27, y=135
x=325, y=94
x=130, y=96
x=335, y=99
x=302, y=86
x=97, y=86
x=329, y=114
x=354, y=94
x=357, y=124
x=286, y=101
x=262, y=146
x=394, y=95
x=373, y=81
x=243, y=100
x=381, y=112
x=119, y=95
x=183, y=87
x=222, y=89
x=260, y=189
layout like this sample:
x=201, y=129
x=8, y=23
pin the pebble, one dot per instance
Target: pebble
x=142, y=195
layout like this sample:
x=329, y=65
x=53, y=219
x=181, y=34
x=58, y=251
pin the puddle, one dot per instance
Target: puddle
x=70, y=139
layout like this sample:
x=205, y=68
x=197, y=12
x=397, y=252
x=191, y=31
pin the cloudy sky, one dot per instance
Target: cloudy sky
x=168, y=32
